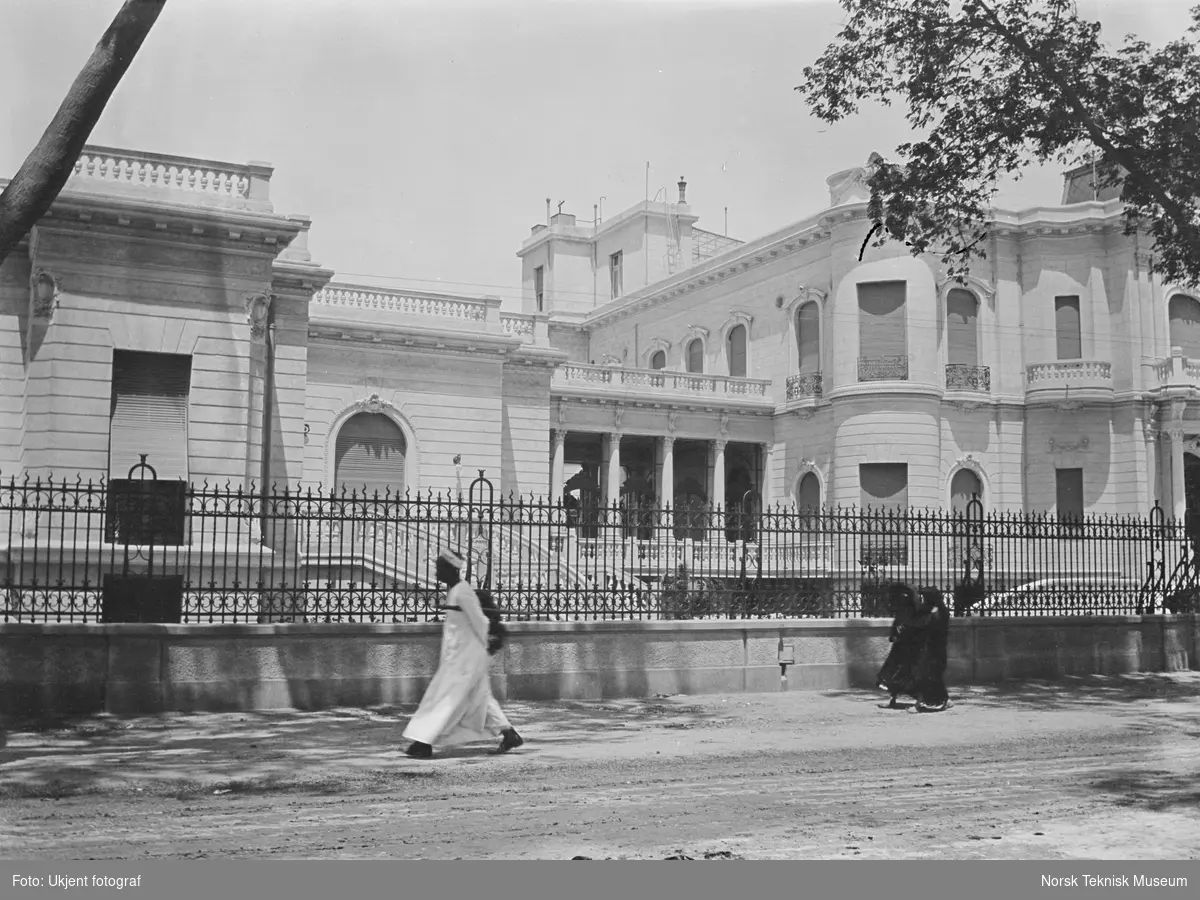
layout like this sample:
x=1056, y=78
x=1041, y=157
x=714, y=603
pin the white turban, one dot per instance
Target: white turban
x=453, y=558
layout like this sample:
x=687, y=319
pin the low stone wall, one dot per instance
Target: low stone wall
x=48, y=670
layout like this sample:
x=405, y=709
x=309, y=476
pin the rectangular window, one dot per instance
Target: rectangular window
x=149, y=414
x=882, y=332
x=884, y=485
x=539, y=288
x=883, y=496
x=614, y=270
x=1066, y=328
x=808, y=337
x=1068, y=486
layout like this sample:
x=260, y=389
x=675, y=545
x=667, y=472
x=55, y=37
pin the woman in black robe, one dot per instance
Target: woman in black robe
x=930, y=631
x=896, y=675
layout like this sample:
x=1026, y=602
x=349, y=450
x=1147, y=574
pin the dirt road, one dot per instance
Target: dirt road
x=1095, y=768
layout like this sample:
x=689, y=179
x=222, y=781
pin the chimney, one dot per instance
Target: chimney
x=682, y=190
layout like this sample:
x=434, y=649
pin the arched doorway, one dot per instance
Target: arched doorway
x=369, y=456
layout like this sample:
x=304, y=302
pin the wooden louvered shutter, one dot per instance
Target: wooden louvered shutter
x=808, y=337
x=149, y=414
x=370, y=455
x=882, y=327
x=1067, y=327
x=884, y=486
x=736, y=351
x=962, y=334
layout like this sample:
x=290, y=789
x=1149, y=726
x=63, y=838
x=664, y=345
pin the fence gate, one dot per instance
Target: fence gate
x=143, y=517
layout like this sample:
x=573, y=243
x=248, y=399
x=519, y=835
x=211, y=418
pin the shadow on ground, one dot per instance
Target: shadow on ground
x=1155, y=789
x=328, y=751
x=1072, y=692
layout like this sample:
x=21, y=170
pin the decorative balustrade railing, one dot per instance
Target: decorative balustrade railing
x=962, y=377
x=159, y=170
x=883, y=368
x=1069, y=370
x=662, y=380
x=804, y=386
x=465, y=309
x=73, y=553
x=518, y=324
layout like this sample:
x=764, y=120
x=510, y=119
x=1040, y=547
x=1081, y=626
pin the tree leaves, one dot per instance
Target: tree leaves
x=998, y=85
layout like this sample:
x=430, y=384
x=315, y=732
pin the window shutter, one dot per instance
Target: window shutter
x=809, y=499
x=369, y=455
x=737, y=351
x=695, y=356
x=884, y=485
x=808, y=336
x=882, y=329
x=149, y=414
x=1066, y=327
x=1185, y=325
x=1068, y=484
x=963, y=487
x=962, y=332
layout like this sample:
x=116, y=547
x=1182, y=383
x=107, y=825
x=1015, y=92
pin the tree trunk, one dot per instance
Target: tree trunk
x=44, y=173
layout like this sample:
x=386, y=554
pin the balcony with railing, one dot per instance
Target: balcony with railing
x=805, y=386
x=572, y=378
x=1177, y=373
x=969, y=379
x=1068, y=380
x=883, y=368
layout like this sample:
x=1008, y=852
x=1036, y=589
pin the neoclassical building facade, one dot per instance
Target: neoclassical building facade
x=164, y=307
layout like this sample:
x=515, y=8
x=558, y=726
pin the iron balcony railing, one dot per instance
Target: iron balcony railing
x=883, y=368
x=138, y=549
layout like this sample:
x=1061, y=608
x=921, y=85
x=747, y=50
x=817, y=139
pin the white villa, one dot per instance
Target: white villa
x=164, y=307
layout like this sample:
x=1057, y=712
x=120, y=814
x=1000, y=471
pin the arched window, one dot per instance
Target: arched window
x=808, y=494
x=1184, y=313
x=658, y=359
x=808, y=338
x=962, y=331
x=735, y=350
x=369, y=455
x=695, y=356
x=963, y=487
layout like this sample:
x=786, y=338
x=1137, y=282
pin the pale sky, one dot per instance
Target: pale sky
x=424, y=138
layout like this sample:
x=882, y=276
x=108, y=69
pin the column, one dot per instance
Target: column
x=666, y=483
x=718, y=474
x=257, y=309
x=1178, y=497
x=768, y=474
x=612, y=484
x=1150, y=433
x=558, y=439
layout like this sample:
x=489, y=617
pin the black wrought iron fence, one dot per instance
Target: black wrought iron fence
x=144, y=550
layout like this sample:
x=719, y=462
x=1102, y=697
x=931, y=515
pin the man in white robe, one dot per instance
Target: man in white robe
x=458, y=706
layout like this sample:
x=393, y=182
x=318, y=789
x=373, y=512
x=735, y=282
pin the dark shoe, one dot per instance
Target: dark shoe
x=509, y=740
x=933, y=707
x=417, y=750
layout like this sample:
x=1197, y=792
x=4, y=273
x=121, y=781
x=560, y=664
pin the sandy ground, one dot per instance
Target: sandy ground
x=1095, y=768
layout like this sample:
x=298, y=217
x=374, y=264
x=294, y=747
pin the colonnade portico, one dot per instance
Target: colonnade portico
x=752, y=463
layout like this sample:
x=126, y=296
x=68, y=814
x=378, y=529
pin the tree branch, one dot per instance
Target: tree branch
x=45, y=171
x=1101, y=139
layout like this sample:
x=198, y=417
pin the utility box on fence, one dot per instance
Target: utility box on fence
x=142, y=598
